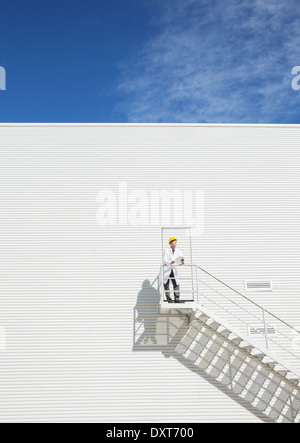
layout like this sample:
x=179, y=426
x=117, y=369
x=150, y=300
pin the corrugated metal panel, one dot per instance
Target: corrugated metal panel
x=69, y=287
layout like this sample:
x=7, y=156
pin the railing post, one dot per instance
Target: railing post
x=265, y=328
x=162, y=283
x=197, y=285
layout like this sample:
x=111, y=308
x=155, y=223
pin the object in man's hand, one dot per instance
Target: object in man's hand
x=178, y=261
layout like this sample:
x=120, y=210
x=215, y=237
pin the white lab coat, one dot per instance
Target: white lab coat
x=168, y=257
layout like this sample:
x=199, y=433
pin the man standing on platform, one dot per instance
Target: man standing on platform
x=170, y=270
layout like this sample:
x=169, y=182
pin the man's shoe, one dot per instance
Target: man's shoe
x=170, y=301
x=178, y=301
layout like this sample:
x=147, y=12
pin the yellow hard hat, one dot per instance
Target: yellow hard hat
x=172, y=239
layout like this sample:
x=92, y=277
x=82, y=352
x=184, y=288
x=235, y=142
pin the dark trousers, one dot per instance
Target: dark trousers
x=175, y=286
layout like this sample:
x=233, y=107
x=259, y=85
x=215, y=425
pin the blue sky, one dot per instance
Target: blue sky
x=198, y=61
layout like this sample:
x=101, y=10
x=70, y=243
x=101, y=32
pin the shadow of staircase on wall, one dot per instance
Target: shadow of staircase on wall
x=242, y=376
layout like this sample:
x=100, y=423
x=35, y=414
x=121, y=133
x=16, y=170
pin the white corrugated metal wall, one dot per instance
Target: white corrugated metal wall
x=69, y=286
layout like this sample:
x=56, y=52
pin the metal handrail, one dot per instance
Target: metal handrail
x=172, y=278
x=253, y=315
x=247, y=324
x=251, y=301
x=239, y=306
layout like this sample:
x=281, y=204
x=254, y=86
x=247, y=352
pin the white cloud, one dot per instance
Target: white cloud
x=216, y=61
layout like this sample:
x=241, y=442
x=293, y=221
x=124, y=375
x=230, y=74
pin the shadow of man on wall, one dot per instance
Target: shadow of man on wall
x=146, y=314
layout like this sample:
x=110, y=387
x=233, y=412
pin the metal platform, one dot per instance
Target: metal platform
x=182, y=307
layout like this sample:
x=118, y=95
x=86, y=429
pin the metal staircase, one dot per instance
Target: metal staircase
x=239, y=343
x=249, y=374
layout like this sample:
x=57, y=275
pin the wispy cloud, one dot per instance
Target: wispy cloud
x=216, y=61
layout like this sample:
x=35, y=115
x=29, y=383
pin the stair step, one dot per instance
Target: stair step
x=236, y=340
x=225, y=332
x=218, y=327
x=246, y=346
x=281, y=370
x=202, y=317
x=258, y=354
x=269, y=362
x=292, y=377
x=213, y=324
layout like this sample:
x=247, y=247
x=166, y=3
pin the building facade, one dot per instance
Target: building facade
x=82, y=210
